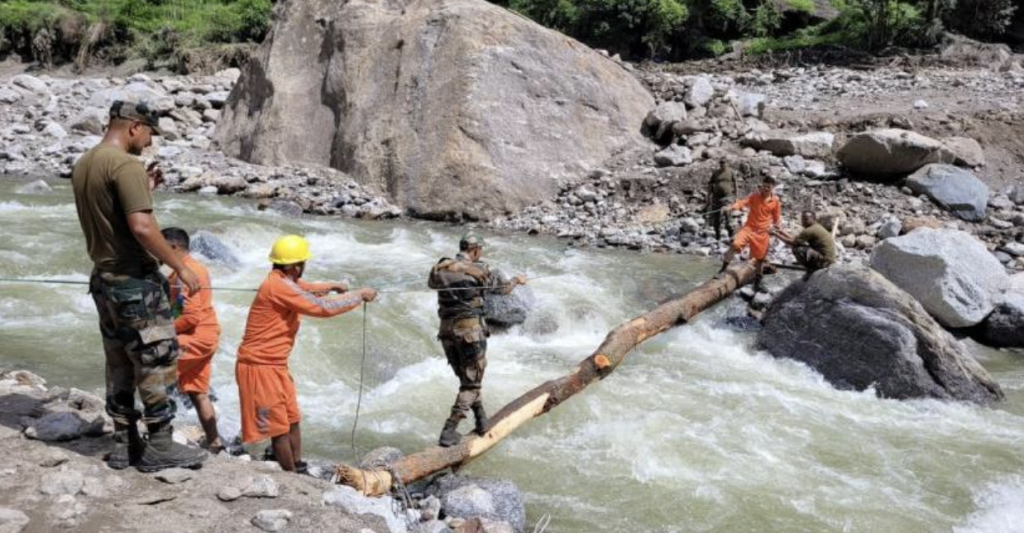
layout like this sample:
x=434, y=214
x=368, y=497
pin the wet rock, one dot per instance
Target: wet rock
x=12, y=520
x=467, y=497
x=950, y=272
x=966, y=151
x=891, y=152
x=36, y=187
x=211, y=248
x=174, y=476
x=286, y=207
x=859, y=330
x=272, y=519
x=64, y=482
x=1004, y=327
x=507, y=310
x=63, y=426
x=952, y=188
x=352, y=502
x=673, y=156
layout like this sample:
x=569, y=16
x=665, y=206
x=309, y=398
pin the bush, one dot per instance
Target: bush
x=982, y=19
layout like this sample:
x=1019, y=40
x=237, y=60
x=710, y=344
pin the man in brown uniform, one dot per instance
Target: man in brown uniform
x=814, y=247
x=720, y=193
x=115, y=209
x=463, y=283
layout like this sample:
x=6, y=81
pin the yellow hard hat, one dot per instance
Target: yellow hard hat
x=289, y=250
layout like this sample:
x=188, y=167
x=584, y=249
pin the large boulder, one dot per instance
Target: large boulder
x=952, y=188
x=507, y=310
x=966, y=151
x=491, y=498
x=454, y=107
x=891, y=152
x=860, y=331
x=1004, y=327
x=816, y=144
x=950, y=272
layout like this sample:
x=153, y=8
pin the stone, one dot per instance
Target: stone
x=91, y=120
x=216, y=99
x=162, y=105
x=12, y=520
x=891, y=152
x=430, y=508
x=920, y=104
x=1017, y=195
x=133, y=92
x=352, y=502
x=653, y=214
x=54, y=130
x=230, y=74
x=891, y=227
x=35, y=187
x=511, y=107
x=1013, y=248
x=952, y=188
x=1004, y=327
x=174, y=476
x=795, y=164
x=211, y=115
x=859, y=330
x=168, y=129
x=208, y=190
x=9, y=97
x=64, y=482
x=432, y=526
x=966, y=151
x=810, y=145
x=52, y=457
x=212, y=249
x=662, y=118
x=229, y=494
x=31, y=84
x=673, y=156
x=950, y=272
x=700, y=93
x=59, y=426
x=913, y=223
x=1001, y=202
x=12, y=152
x=750, y=104
x=272, y=519
x=467, y=497
x=507, y=310
x=262, y=487
x=380, y=457
x=229, y=184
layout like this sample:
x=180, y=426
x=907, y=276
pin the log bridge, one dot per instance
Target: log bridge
x=545, y=397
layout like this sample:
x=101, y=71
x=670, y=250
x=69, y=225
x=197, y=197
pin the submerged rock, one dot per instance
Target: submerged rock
x=950, y=272
x=860, y=330
x=213, y=249
x=494, y=499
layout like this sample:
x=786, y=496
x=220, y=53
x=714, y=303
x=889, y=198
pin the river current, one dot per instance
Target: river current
x=696, y=431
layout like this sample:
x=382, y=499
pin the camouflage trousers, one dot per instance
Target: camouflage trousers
x=140, y=344
x=465, y=346
x=720, y=216
x=810, y=258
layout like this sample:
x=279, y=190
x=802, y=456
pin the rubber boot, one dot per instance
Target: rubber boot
x=162, y=452
x=450, y=434
x=481, y=419
x=128, y=447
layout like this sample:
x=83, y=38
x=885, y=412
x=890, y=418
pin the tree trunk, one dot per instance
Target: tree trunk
x=547, y=396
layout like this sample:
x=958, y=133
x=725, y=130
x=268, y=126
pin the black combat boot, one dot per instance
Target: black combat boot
x=482, y=421
x=162, y=452
x=128, y=447
x=450, y=434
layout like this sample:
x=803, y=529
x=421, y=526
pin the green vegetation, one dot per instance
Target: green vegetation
x=54, y=30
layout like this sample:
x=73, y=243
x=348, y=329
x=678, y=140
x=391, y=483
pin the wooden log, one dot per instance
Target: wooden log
x=619, y=342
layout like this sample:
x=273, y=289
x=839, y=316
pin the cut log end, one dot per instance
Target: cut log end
x=602, y=362
x=367, y=482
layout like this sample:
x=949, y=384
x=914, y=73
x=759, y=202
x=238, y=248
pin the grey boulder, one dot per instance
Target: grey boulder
x=456, y=108
x=467, y=497
x=210, y=247
x=859, y=330
x=965, y=150
x=811, y=145
x=891, y=152
x=950, y=272
x=952, y=188
x=1004, y=328
x=64, y=425
x=507, y=310
x=660, y=120
x=673, y=155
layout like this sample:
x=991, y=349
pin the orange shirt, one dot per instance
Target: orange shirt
x=763, y=211
x=198, y=319
x=274, y=317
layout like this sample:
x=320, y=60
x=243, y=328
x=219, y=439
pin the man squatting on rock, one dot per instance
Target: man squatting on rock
x=765, y=213
x=463, y=283
x=113, y=196
x=813, y=248
x=266, y=390
x=195, y=323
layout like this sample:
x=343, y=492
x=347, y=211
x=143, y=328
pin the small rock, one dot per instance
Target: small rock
x=262, y=487
x=31, y=84
x=211, y=115
x=673, y=156
x=272, y=519
x=229, y=494
x=60, y=426
x=53, y=457
x=1015, y=249
x=174, y=476
x=55, y=130
x=36, y=187
x=920, y=104
x=65, y=482
x=12, y=520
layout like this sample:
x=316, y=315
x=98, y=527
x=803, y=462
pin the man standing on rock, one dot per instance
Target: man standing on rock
x=115, y=210
x=814, y=247
x=721, y=190
x=462, y=285
x=765, y=213
x=267, y=396
x=195, y=322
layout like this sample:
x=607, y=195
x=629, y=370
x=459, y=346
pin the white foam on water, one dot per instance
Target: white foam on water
x=999, y=508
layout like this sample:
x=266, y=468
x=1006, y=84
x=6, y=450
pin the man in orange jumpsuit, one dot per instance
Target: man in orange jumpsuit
x=765, y=213
x=195, y=322
x=265, y=387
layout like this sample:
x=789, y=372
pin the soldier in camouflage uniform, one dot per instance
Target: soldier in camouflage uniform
x=463, y=283
x=113, y=195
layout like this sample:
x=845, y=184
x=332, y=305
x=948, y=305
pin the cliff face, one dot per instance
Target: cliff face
x=454, y=107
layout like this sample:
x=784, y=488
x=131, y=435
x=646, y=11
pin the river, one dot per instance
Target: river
x=696, y=431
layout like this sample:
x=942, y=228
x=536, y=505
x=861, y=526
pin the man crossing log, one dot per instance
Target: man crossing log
x=543, y=398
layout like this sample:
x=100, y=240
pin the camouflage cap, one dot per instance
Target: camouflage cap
x=470, y=240
x=137, y=111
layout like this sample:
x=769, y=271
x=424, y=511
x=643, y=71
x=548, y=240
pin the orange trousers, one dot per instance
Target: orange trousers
x=267, y=399
x=757, y=242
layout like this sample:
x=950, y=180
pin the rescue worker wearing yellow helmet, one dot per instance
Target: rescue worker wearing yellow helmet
x=462, y=285
x=268, y=400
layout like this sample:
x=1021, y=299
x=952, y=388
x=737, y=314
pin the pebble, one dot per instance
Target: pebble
x=12, y=520
x=66, y=482
x=174, y=476
x=272, y=519
x=53, y=457
x=229, y=494
x=262, y=487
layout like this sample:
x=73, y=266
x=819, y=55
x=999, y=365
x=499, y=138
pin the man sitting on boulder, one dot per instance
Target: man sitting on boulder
x=814, y=247
x=765, y=213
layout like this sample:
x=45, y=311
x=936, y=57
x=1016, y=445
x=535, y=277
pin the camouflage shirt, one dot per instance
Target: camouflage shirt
x=468, y=284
